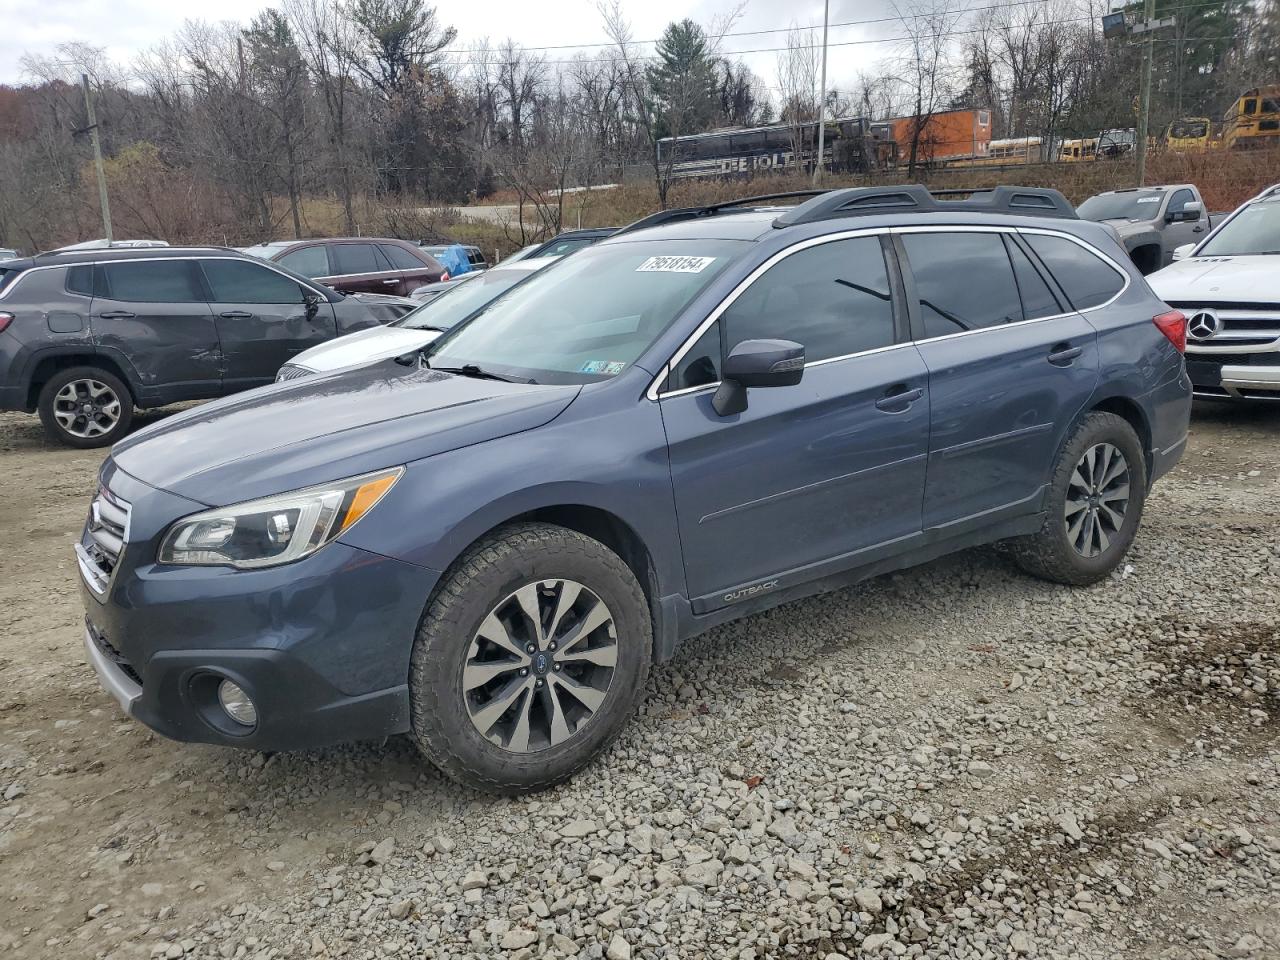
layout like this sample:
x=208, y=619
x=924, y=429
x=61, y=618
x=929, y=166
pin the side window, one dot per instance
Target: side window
x=1084, y=277
x=701, y=365
x=238, y=281
x=80, y=279
x=401, y=259
x=964, y=281
x=355, y=258
x=153, y=281
x=834, y=298
x=1179, y=200
x=1250, y=106
x=311, y=262
x=1037, y=299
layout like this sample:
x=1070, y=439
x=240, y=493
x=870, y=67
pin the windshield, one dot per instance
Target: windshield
x=470, y=294
x=262, y=251
x=1133, y=205
x=1254, y=230
x=1187, y=129
x=590, y=316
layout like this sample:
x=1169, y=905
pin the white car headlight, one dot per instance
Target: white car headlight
x=275, y=530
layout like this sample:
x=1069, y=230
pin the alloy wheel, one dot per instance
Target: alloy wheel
x=539, y=668
x=1097, y=499
x=86, y=408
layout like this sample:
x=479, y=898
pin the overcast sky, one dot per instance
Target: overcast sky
x=124, y=27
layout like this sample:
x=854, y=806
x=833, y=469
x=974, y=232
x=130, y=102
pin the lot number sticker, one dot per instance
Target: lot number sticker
x=675, y=264
x=1148, y=199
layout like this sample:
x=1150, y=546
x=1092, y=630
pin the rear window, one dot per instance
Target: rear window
x=153, y=281
x=351, y=258
x=1086, y=279
x=400, y=258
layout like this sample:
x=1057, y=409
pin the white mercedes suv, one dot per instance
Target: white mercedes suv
x=1228, y=285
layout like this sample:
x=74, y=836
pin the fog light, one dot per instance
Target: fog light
x=237, y=704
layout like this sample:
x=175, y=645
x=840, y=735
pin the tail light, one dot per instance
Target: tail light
x=1174, y=326
x=5, y=320
x=444, y=276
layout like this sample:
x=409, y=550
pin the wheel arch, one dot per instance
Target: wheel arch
x=596, y=522
x=1130, y=411
x=45, y=365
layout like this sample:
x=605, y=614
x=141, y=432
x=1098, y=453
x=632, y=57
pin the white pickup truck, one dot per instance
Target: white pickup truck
x=1151, y=221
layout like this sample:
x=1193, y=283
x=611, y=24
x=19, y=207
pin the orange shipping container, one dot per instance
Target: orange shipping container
x=945, y=136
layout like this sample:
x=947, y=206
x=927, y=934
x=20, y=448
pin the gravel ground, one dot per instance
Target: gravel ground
x=955, y=761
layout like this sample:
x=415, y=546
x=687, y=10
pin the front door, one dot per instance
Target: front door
x=813, y=477
x=152, y=315
x=262, y=320
x=1003, y=389
x=1182, y=231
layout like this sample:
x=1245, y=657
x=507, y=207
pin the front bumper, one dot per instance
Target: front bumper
x=1234, y=380
x=321, y=646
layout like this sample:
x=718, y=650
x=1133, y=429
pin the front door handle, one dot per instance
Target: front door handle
x=1062, y=354
x=117, y=315
x=236, y=315
x=898, y=398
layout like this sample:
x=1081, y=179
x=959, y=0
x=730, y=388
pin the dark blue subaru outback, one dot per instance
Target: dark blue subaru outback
x=485, y=545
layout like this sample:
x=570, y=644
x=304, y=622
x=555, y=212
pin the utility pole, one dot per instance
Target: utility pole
x=97, y=156
x=822, y=96
x=1144, y=105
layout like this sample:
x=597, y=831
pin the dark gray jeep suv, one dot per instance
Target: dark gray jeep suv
x=733, y=406
x=86, y=336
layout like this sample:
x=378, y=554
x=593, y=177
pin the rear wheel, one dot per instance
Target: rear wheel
x=85, y=407
x=1095, y=505
x=529, y=659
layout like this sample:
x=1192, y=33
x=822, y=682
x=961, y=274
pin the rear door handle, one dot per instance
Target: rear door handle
x=1063, y=354
x=117, y=315
x=236, y=315
x=1197, y=229
x=390, y=281
x=898, y=398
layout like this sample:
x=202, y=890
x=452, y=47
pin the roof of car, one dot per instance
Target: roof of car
x=119, y=253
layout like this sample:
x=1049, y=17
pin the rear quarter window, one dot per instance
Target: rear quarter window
x=1086, y=279
x=80, y=279
x=6, y=276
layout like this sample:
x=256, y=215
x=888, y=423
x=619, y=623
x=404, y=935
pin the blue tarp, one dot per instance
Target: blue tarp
x=454, y=259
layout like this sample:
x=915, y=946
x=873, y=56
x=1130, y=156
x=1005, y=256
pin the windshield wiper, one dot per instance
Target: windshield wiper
x=471, y=370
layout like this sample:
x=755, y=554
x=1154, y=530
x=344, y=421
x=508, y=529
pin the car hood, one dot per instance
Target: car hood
x=1219, y=279
x=316, y=429
x=364, y=346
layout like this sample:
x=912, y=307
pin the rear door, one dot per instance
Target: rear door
x=813, y=477
x=262, y=320
x=1009, y=367
x=152, y=314
x=413, y=270
x=361, y=268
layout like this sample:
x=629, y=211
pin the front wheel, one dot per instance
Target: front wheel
x=1096, y=497
x=85, y=407
x=529, y=659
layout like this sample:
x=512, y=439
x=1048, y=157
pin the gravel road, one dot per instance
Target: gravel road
x=956, y=761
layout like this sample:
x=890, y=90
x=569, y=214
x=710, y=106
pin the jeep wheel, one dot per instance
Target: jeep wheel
x=529, y=659
x=1095, y=504
x=85, y=407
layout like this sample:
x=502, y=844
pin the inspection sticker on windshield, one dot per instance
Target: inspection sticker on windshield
x=607, y=367
x=675, y=264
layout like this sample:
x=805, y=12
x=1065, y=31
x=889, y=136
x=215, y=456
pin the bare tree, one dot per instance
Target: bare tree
x=925, y=69
x=797, y=75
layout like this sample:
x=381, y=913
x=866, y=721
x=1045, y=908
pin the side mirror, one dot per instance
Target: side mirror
x=1184, y=251
x=757, y=363
x=312, y=303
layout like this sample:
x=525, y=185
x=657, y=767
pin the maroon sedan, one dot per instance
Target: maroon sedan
x=357, y=264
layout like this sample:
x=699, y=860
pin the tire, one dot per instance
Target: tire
x=104, y=391
x=1063, y=552
x=483, y=599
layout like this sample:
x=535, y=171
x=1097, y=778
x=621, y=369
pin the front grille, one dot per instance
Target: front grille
x=1184, y=306
x=102, y=543
x=292, y=372
x=111, y=653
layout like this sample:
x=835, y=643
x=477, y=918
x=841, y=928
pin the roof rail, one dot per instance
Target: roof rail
x=915, y=198
x=679, y=214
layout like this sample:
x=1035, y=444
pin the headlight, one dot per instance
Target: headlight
x=275, y=530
